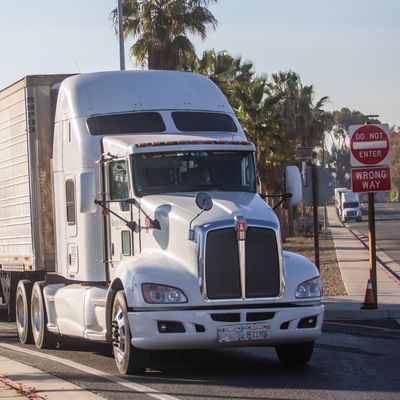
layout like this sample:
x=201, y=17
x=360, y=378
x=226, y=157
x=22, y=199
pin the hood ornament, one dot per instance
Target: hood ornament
x=240, y=228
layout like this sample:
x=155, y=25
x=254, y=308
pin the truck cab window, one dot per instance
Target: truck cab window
x=117, y=124
x=118, y=178
x=188, y=171
x=189, y=121
x=70, y=201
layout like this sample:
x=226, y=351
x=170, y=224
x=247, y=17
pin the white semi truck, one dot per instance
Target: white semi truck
x=129, y=214
x=348, y=205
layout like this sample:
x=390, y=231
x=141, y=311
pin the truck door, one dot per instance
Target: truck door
x=121, y=239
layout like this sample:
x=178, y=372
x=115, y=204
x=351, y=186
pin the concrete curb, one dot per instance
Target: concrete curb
x=346, y=307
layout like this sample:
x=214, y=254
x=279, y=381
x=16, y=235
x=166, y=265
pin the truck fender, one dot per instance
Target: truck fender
x=297, y=270
x=115, y=286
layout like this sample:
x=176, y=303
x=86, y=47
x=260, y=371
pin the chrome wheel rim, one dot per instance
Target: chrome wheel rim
x=20, y=311
x=118, y=335
x=36, y=317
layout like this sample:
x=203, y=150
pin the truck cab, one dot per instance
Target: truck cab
x=162, y=241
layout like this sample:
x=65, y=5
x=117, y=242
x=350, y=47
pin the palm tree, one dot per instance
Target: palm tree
x=161, y=29
x=223, y=69
x=306, y=122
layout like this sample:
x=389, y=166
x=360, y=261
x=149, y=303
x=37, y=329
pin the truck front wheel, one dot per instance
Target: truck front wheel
x=22, y=310
x=42, y=337
x=295, y=354
x=129, y=359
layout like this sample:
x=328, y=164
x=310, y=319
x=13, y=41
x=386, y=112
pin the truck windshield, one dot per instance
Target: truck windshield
x=351, y=204
x=188, y=171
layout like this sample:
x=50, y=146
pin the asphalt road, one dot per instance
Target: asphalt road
x=387, y=221
x=352, y=360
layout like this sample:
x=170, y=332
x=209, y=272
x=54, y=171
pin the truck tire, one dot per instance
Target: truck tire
x=129, y=359
x=41, y=336
x=295, y=354
x=23, y=311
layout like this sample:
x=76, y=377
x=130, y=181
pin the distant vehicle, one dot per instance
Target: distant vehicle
x=338, y=203
x=347, y=205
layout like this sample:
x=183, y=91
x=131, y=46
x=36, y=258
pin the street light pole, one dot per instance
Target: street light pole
x=121, y=37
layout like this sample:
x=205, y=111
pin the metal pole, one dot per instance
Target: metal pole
x=121, y=37
x=314, y=178
x=372, y=247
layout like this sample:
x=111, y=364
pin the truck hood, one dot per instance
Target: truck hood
x=182, y=208
x=177, y=212
x=170, y=249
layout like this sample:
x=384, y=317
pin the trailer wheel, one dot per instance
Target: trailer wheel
x=295, y=354
x=42, y=337
x=22, y=309
x=129, y=359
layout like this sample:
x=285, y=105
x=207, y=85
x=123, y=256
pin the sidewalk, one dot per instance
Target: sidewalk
x=20, y=381
x=353, y=259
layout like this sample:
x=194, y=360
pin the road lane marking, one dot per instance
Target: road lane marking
x=113, y=378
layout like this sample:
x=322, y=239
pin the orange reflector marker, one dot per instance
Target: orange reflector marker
x=207, y=141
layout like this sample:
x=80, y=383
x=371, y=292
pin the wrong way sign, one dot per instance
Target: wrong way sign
x=370, y=179
x=369, y=145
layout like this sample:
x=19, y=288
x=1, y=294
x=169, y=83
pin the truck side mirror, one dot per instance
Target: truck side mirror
x=204, y=201
x=87, y=190
x=293, y=185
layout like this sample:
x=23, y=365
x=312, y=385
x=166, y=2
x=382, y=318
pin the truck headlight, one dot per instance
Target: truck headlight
x=310, y=288
x=160, y=294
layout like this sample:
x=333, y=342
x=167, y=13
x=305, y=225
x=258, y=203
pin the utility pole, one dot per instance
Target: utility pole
x=121, y=37
x=315, y=201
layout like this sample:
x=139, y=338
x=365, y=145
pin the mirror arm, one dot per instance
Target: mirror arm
x=102, y=203
x=154, y=223
x=191, y=231
x=283, y=197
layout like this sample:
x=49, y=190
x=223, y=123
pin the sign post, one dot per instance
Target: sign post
x=317, y=190
x=370, y=159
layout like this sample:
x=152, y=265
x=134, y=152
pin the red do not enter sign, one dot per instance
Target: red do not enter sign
x=369, y=144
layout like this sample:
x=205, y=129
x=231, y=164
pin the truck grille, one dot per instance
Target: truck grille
x=223, y=268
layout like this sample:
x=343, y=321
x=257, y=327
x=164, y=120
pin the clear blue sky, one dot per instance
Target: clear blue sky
x=348, y=49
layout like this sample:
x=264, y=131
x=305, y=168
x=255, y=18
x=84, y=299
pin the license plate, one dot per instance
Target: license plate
x=243, y=332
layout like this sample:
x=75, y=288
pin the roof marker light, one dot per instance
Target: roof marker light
x=183, y=142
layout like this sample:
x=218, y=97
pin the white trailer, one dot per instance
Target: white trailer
x=161, y=240
x=338, y=199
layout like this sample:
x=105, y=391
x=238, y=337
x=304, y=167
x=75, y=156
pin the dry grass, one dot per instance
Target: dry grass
x=329, y=268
